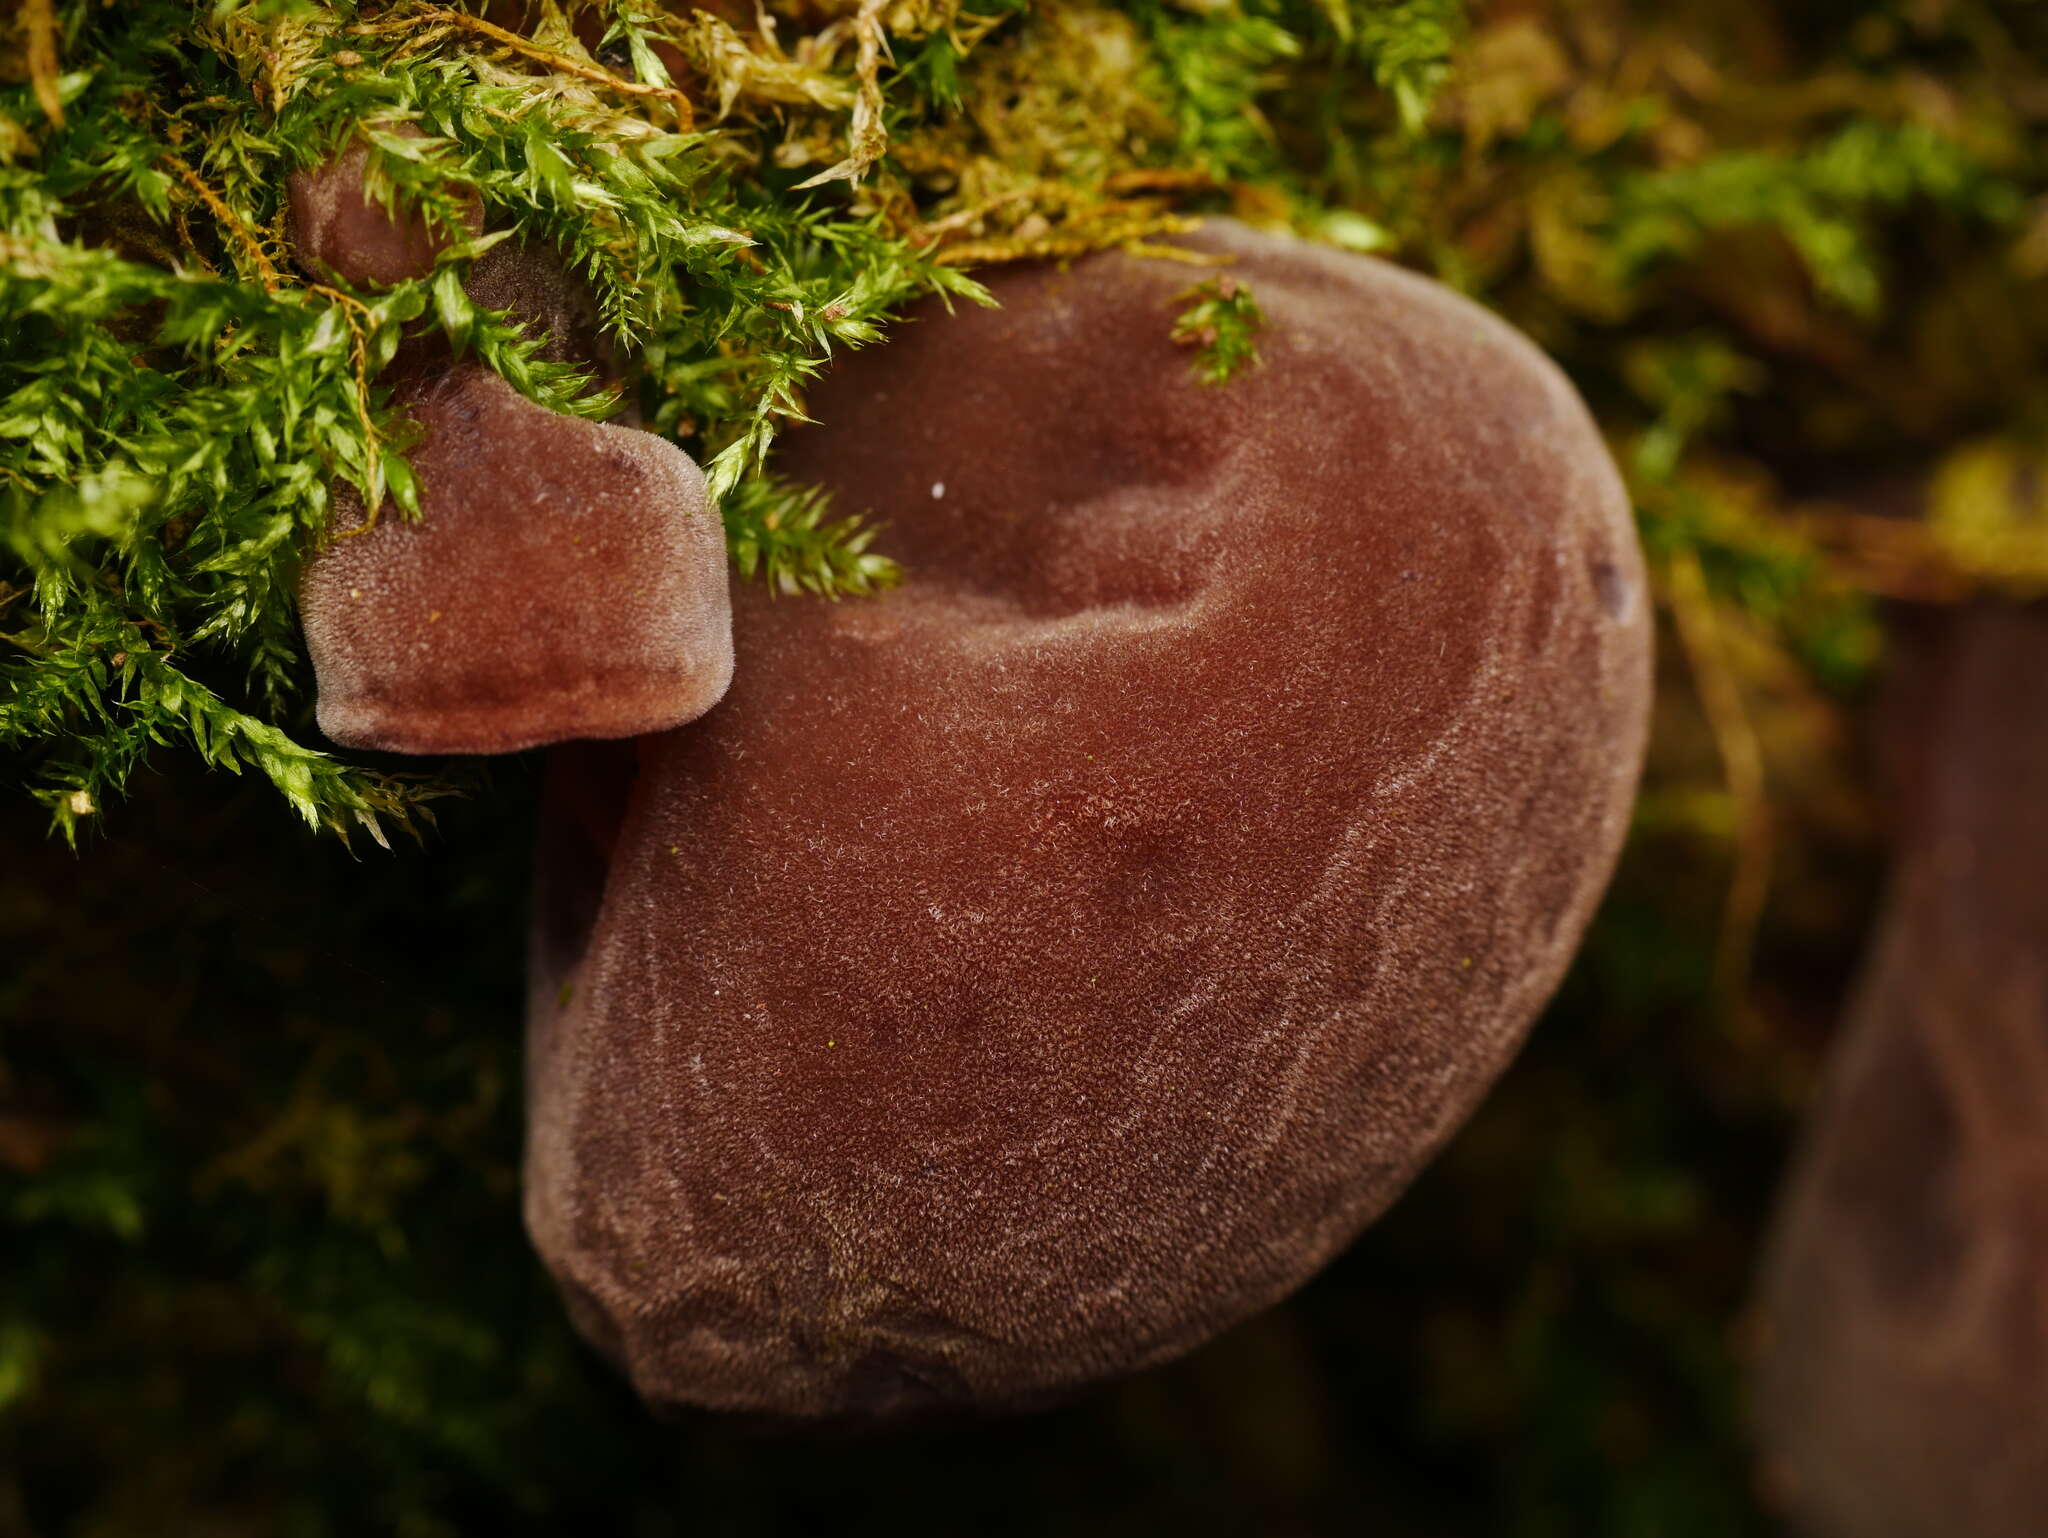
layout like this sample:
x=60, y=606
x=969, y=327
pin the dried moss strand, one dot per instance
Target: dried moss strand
x=39, y=32
x=231, y=224
x=866, y=137
x=556, y=63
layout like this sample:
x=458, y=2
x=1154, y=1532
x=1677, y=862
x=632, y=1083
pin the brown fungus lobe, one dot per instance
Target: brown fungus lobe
x=566, y=579
x=1905, y=1299
x=1027, y=973
x=338, y=230
x=527, y=280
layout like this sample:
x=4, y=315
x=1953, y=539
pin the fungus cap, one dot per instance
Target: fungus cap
x=528, y=279
x=567, y=578
x=1031, y=971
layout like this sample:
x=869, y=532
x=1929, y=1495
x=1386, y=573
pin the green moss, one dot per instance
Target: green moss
x=1219, y=320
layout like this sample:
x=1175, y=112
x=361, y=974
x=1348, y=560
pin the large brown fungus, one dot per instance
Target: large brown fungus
x=1903, y=1391
x=1027, y=973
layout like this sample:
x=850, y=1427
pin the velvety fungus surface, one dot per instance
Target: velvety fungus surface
x=531, y=283
x=566, y=578
x=1906, y=1296
x=1027, y=973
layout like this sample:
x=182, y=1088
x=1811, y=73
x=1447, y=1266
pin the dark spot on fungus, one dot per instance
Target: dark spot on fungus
x=1614, y=590
x=528, y=279
x=1905, y=1296
x=530, y=282
x=567, y=579
x=1029, y=972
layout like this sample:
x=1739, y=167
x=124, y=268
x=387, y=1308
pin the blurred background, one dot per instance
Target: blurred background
x=261, y=1269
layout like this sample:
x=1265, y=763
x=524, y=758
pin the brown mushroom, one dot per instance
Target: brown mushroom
x=1027, y=973
x=1905, y=1300
x=566, y=579
x=339, y=230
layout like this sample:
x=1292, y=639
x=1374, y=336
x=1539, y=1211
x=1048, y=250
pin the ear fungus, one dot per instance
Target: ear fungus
x=567, y=578
x=1033, y=970
x=1905, y=1298
x=339, y=231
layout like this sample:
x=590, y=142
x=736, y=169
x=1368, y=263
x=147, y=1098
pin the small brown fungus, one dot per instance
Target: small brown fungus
x=1029, y=972
x=339, y=230
x=531, y=283
x=566, y=579
x=1905, y=1298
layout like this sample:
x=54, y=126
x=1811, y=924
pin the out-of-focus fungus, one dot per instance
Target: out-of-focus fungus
x=566, y=579
x=1905, y=1306
x=1029, y=972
